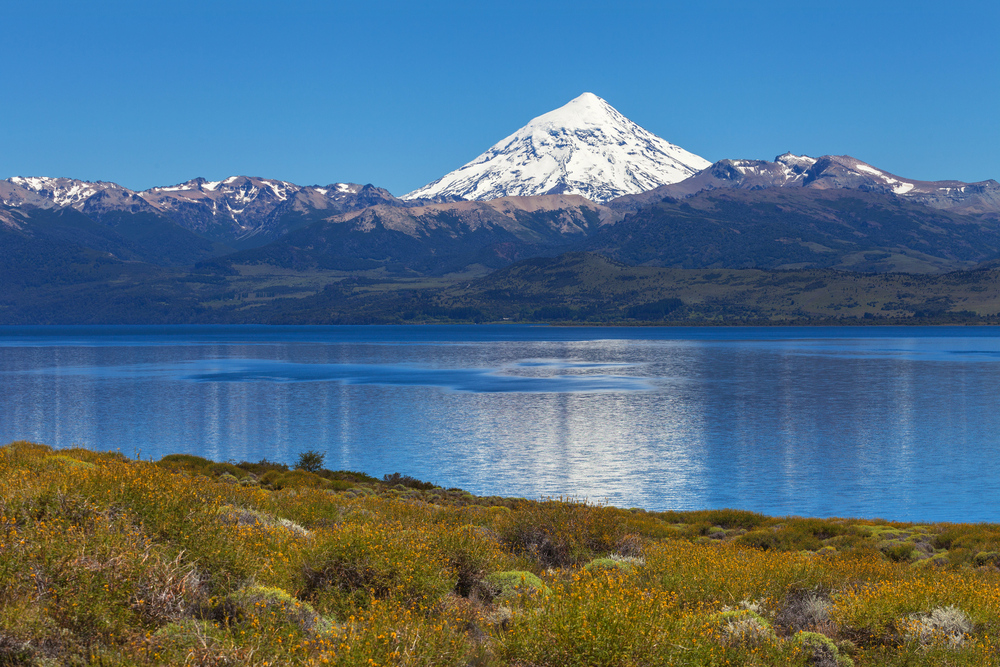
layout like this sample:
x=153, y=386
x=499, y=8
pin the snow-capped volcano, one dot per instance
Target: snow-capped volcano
x=585, y=147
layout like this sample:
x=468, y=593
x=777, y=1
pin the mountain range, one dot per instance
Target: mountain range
x=240, y=211
x=828, y=172
x=582, y=178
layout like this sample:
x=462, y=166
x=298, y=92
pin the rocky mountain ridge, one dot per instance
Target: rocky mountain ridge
x=538, y=191
x=437, y=238
x=242, y=211
x=828, y=172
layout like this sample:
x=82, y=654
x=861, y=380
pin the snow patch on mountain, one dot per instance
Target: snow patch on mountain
x=63, y=191
x=585, y=147
x=868, y=169
x=828, y=172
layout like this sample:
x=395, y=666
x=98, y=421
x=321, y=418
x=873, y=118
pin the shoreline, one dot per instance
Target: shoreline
x=191, y=561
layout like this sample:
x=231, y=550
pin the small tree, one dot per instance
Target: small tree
x=310, y=461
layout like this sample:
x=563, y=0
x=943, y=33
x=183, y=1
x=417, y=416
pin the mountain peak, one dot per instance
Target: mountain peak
x=587, y=110
x=827, y=172
x=63, y=191
x=585, y=147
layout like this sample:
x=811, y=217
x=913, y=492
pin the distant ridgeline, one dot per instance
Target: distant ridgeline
x=800, y=239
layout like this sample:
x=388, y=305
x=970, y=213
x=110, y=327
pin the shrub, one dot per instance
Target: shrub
x=511, y=585
x=115, y=564
x=803, y=609
x=67, y=461
x=781, y=539
x=630, y=546
x=358, y=563
x=796, y=534
x=185, y=462
x=310, y=461
x=742, y=627
x=350, y=476
x=185, y=634
x=396, y=479
x=821, y=650
x=296, y=479
x=262, y=466
x=898, y=552
x=563, y=532
x=726, y=518
x=472, y=551
x=168, y=590
x=255, y=518
x=597, y=621
x=223, y=468
x=948, y=624
x=256, y=601
x=608, y=565
x=986, y=558
x=14, y=652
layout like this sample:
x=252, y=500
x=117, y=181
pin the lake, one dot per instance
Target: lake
x=893, y=422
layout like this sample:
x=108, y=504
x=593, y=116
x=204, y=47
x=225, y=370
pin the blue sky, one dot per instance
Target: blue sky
x=399, y=93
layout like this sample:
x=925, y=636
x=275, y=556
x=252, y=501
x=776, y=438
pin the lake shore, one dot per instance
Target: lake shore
x=190, y=561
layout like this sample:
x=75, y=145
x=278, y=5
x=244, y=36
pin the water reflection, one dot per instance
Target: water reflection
x=815, y=422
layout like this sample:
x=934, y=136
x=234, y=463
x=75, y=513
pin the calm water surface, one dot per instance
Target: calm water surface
x=900, y=423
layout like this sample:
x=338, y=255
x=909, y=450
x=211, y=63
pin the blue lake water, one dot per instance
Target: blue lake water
x=894, y=422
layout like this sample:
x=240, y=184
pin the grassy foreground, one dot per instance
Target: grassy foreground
x=109, y=561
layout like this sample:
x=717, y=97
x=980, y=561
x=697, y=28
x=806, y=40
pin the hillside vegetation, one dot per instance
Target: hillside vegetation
x=731, y=256
x=793, y=228
x=570, y=288
x=112, y=561
x=587, y=287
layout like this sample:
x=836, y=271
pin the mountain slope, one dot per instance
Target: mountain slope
x=143, y=235
x=238, y=211
x=436, y=238
x=583, y=286
x=790, y=228
x=585, y=147
x=829, y=172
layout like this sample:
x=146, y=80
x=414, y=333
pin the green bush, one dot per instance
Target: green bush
x=986, y=558
x=821, y=650
x=726, y=518
x=297, y=479
x=261, y=467
x=62, y=459
x=741, y=627
x=563, y=532
x=361, y=562
x=511, y=585
x=471, y=552
x=396, y=479
x=185, y=463
x=257, y=601
x=608, y=565
x=900, y=552
x=310, y=461
x=782, y=539
x=222, y=468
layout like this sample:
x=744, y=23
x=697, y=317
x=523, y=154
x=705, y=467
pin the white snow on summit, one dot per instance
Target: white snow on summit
x=585, y=148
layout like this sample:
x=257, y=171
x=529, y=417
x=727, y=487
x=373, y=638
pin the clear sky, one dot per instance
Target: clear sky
x=399, y=93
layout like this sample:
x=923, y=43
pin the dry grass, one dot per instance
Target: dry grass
x=117, y=562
